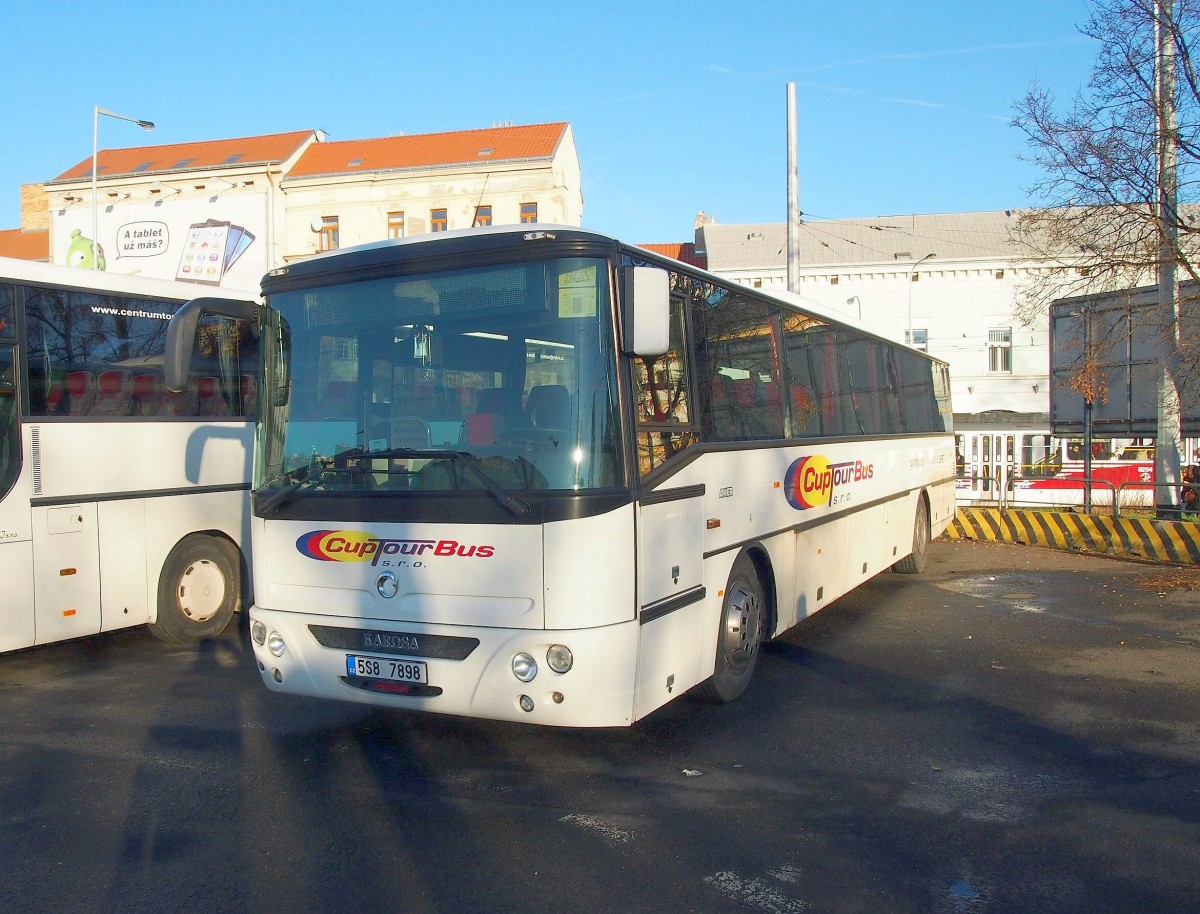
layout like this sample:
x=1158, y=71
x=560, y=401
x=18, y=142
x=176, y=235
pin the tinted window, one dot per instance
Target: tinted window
x=736, y=360
x=10, y=448
x=872, y=383
x=7, y=309
x=101, y=355
x=918, y=398
x=664, y=414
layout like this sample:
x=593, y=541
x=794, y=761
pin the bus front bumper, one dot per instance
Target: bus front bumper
x=467, y=671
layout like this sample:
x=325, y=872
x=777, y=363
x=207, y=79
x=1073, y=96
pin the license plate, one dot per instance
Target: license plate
x=359, y=666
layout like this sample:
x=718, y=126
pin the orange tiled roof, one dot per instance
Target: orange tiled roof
x=250, y=150
x=684, y=252
x=536, y=141
x=23, y=245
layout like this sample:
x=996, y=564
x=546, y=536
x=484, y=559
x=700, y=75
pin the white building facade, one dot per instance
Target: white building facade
x=224, y=212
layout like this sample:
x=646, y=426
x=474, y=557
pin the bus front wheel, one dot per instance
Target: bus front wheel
x=740, y=635
x=198, y=591
x=914, y=562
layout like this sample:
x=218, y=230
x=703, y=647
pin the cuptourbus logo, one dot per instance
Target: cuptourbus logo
x=813, y=481
x=356, y=546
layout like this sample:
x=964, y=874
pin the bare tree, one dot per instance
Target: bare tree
x=1098, y=228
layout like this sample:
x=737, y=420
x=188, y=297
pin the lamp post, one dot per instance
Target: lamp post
x=911, y=271
x=96, y=112
x=855, y=300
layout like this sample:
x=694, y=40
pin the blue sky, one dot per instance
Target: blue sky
x=676, y=108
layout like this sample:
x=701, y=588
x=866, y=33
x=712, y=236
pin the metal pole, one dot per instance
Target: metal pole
x=95, y=151
x=1167, y=444
x=96, y=112
x=793, y=196
x=911, y=271
x=1087, y=456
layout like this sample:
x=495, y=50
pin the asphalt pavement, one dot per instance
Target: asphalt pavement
x=1015, y=730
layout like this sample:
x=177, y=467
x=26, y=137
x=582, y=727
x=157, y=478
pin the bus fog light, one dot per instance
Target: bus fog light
x=258, y=632
x=557, y=697
x=526, y=703
x=524, y=667
x=275, y=644
x=559, y=658
x=278, y=675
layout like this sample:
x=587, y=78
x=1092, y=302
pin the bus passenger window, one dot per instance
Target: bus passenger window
x=665, y=425
x=10, y=450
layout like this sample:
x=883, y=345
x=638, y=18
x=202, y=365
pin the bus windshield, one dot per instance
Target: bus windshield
x=496, y=378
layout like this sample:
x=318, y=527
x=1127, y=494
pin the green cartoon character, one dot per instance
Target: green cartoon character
x=79, y=254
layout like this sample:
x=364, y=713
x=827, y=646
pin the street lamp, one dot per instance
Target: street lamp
x=96, y=112
x=855, y=300
x=910, y=279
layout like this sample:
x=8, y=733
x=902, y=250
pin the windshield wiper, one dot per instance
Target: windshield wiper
x=268, y=504
x=510, y=502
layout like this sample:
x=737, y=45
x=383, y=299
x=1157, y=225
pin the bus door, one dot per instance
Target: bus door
x=989, y=466
x=16, y=533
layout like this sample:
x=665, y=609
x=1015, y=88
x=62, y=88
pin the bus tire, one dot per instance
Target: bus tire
x=199, y=590
x=743, y=614
x=914, y=562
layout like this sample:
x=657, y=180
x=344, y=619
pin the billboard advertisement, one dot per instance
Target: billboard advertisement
x=1121, y=340
x=211, y=242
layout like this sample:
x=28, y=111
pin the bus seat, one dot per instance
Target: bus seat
x=480, y=428
x=549, y=406
x=745, y=392
x=55, y=401
x=338, y=402
x=212, y=402
x=422, y=401
x=80, y=392
x=183, y=403
x=493, y=400
x=771, y=395
x=411, y=431
x=114, y=392
x=491, y=416
x=249, y=395
x=145, y=394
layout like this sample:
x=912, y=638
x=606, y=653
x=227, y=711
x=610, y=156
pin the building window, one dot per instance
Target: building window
x=528, y=213
x=483, y=216
x=395, y=225
x=920, y=339
x=328, y=238
x=437, y=220
x=1000, y=350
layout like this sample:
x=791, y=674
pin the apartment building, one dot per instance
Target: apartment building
x=223, y=212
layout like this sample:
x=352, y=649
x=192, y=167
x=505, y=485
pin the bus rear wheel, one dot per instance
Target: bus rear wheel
x=198, y=591
x=914, y=562
x=738, y=640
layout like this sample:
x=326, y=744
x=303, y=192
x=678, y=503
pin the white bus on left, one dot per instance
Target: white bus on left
x=121, y=503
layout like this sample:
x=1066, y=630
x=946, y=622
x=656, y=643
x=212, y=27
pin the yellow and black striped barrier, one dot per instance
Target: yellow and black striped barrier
x=1134, y=537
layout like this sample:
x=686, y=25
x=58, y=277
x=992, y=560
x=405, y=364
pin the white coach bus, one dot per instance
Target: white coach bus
x=545, y=476
x=121, y=503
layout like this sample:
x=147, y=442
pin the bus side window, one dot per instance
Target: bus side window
x=664, y=417
x=10, y=450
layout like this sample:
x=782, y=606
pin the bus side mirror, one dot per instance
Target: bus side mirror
x=647, y=302
x=181, y=334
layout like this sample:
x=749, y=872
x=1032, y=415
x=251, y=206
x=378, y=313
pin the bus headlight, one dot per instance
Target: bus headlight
x=559, y=658
x=276, y=645
x=258, y=632
x=524, y=667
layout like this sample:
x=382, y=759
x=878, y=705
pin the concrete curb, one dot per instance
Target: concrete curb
x=1141, y=538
